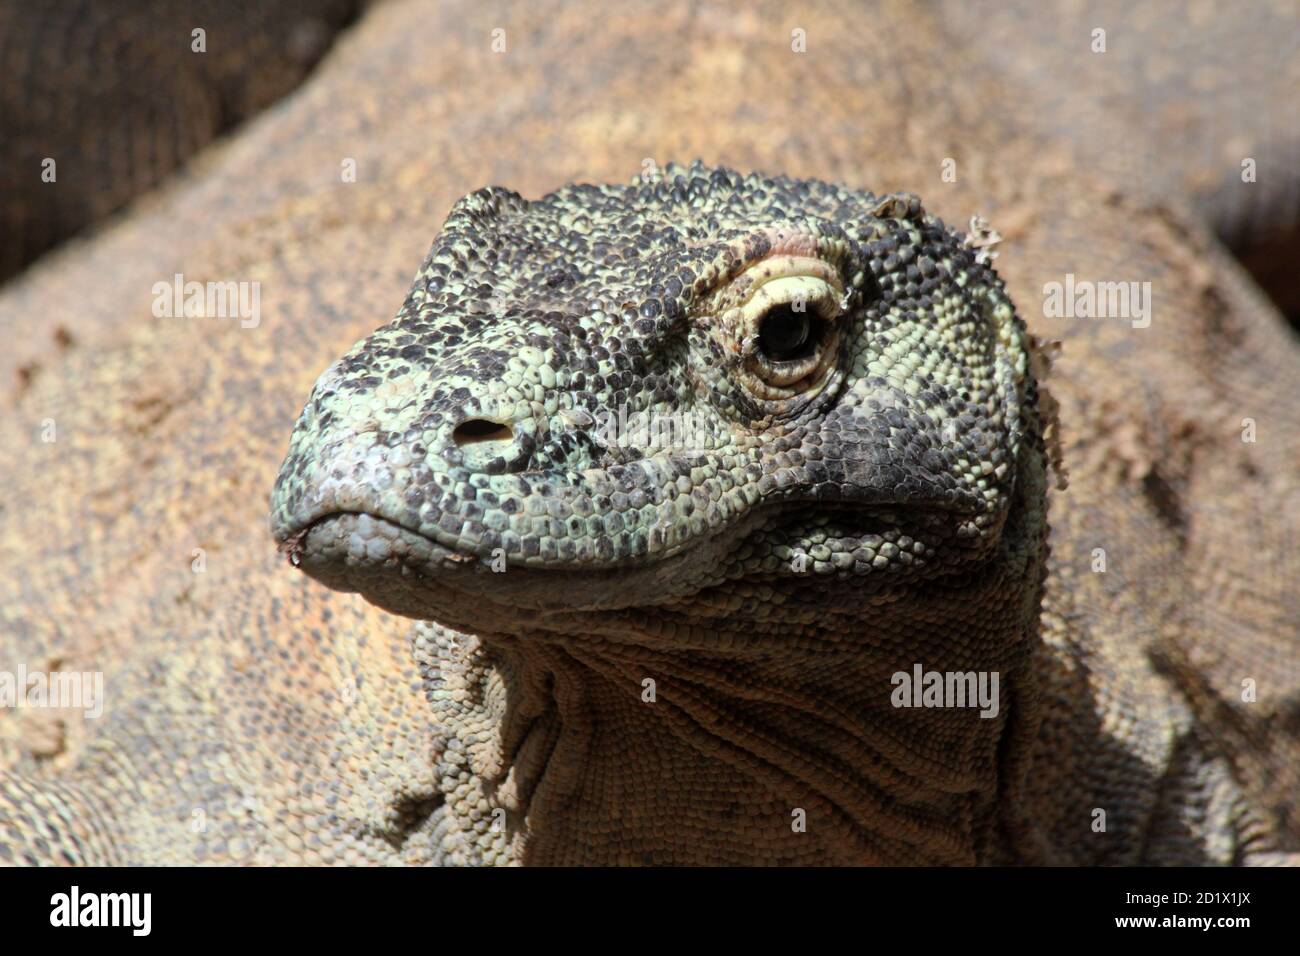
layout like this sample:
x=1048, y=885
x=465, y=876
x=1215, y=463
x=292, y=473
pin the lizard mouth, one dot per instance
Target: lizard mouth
x=409, y=573
x=412, y=574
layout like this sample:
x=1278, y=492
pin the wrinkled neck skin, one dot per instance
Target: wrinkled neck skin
x=735, y=728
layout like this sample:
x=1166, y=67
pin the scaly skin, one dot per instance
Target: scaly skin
x=253, y=714
x=828, y=515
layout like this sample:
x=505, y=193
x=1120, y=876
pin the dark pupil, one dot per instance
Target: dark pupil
x=783, y=333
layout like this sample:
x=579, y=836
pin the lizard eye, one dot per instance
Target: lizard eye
x=784, y=334
x=790, y=324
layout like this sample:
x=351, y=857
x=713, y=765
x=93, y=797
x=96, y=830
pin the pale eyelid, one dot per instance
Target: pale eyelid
x=819, y=297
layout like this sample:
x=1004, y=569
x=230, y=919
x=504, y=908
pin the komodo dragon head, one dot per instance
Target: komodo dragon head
x=774, y=437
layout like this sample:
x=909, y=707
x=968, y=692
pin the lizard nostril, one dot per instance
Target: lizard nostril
x=480, y=429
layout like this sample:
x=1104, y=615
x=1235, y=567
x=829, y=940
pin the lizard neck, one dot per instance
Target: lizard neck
x=583, y=749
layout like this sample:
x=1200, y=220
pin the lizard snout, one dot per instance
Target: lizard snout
x=494, y=445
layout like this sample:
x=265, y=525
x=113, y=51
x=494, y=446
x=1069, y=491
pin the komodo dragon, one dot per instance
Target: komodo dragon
x=753, y=569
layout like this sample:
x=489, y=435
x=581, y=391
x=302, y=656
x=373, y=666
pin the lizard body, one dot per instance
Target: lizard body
x=255, y=716
x=112, y=101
